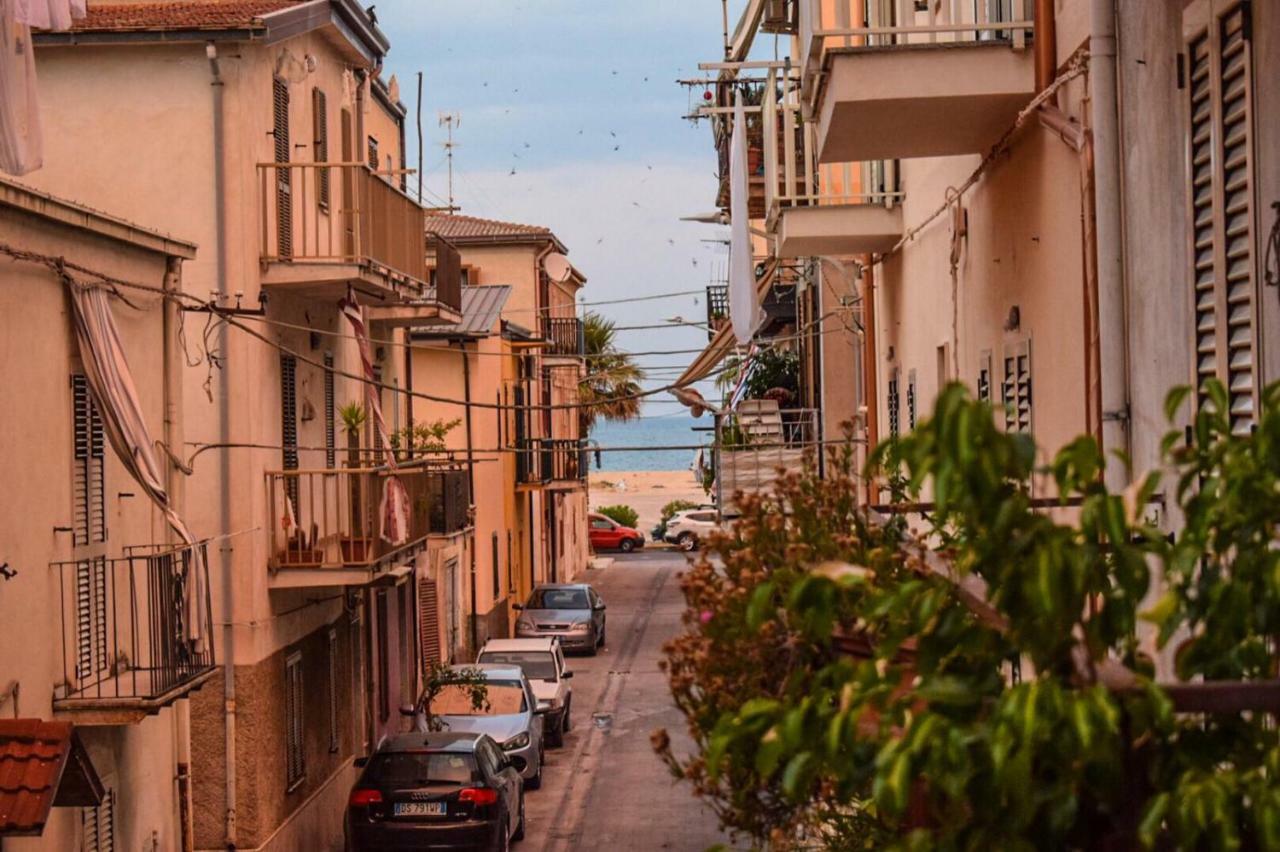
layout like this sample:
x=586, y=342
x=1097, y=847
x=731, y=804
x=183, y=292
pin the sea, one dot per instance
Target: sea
x=660, y=430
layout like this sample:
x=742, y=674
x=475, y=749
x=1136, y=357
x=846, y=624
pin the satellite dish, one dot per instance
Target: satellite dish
x=557, y=267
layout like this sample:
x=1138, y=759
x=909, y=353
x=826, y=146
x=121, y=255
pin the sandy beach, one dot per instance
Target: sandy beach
x=646, y=491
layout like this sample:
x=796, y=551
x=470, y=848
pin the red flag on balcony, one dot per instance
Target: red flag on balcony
x=393, y=512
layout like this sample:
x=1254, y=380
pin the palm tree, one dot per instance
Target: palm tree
x=612, y=385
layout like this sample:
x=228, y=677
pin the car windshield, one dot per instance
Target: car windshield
x=502, y=698
x=539, y=665
x=559, y=599
x=398, y=770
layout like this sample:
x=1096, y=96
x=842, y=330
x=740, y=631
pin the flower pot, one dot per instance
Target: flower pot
x=356, y=550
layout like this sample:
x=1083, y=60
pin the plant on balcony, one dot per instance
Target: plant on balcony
x=422, y=438
x=353, y=417
x=611, y=387
x=622, y=514
x=844, y=690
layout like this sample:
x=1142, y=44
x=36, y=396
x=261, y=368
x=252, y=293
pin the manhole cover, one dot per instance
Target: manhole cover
x=603, y=721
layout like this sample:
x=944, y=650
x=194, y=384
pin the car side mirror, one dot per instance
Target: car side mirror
x=408, y=710
x=361, y=762
x=566, y=675
x=601, y=605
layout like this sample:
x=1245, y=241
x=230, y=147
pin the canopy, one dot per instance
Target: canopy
x=723, y=342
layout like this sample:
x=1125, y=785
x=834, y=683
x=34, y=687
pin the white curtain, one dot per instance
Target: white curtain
x=744, y=309
x=21, y=141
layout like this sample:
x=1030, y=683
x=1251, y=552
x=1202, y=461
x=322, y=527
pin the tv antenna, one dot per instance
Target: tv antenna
x=450, y=120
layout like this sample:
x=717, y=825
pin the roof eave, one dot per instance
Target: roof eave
x=142, y=35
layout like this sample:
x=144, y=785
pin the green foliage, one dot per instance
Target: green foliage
x=623, y=514
x=842, y=693
x=611, y=387
x=353, y=418
x=440, y=677
x=774, y=368
x=426, y=437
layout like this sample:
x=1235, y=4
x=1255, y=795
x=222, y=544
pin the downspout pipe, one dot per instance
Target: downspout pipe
x=471, y=484
x=224, y=433
x=1111, y=325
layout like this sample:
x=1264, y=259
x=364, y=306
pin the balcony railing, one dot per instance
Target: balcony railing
x=563, y=335
x=342, y=213
x=329, y=519
x=565, y=460
x=756, y=444
x=717, y=307
x=531, y=469
x=887, y=23
x=449, y=500
x=136, y=630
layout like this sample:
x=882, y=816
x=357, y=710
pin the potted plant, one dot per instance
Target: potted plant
x=356, y=546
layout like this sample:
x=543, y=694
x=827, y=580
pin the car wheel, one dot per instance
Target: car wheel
x=519, y=835
x=555, y=738
x=595, y=645
x=535, y=782
x=627, y=545
x=688, y=542
x=568, y=713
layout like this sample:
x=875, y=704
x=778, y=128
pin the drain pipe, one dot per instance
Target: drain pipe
x=224, y=463
x=471, y=485
x=1111, y=328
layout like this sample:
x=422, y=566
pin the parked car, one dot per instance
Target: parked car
x=607, y=534
x=542, y=662
x=573, y=612
x=688, y=529
x=435, y=791
x=510, y=715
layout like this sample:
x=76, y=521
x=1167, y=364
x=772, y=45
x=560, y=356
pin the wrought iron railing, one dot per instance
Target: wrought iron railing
x=449, y=498
x=136, y=627
x=531, y=469
x=717, y=307
x=564, y=459
x=563, y=335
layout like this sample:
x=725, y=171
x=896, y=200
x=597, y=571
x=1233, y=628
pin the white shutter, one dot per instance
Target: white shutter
x=1015, y=387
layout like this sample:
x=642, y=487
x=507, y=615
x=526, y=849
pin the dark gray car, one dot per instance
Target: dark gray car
x=574, y=612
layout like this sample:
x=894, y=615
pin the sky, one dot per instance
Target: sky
x=571, y=117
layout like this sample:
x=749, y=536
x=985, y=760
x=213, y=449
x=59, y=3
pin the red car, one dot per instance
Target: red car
x=608, y=534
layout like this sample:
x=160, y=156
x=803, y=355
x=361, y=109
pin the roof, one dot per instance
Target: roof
x=470, y=229
x=539, y=643
x=463, y=741
x=204, y=15
x=481, y=308
x=42, y=764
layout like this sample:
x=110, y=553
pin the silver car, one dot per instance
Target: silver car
x=510, y=715
x=572, y=611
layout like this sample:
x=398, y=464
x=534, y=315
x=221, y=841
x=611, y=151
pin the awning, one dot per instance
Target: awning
x=723, y=342
x=42, y=765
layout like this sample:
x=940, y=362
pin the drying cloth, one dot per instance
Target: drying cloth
x=394, y=509
x=744, y=307
x=116, y=396
x=21, y=140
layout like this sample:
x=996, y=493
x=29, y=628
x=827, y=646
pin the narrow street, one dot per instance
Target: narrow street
x=606, y=789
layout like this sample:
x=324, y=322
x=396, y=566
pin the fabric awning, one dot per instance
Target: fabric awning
x=723, y=342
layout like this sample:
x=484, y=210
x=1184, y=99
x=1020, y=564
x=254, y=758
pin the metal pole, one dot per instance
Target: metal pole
x=419, y=120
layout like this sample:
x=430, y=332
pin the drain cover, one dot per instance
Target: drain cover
x=603, y=721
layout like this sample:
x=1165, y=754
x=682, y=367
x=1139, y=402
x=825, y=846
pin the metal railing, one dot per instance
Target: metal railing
x=717, y=307
x=531, y=468
x=342, y=213
x=564, y=459
x=449, y=502
x=134, y=628
x=885, y=23
x=756, y=444
x=330, y=518
x=563, y=335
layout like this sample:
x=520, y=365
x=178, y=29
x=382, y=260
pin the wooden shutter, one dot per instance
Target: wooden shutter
x=984, y=376
x=373, y=153
x=295, y=754
x=284, y=175
x=497, y=572
x=384, y=658
x=1015, y=387
x=330, y=414
x=320, y=147
x=1223, y=241
x=91, y=618
x=289, y=423
x=89, y=512
x=894, y=404
x=99, y=824
x=911, y=400
x=429, y=623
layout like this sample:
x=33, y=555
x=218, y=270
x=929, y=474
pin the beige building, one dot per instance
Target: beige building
x=520, y=344
x=1063, y=204
x=92, y=607
x=260, y=130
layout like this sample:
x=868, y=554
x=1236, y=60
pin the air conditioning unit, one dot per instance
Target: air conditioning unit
x=780, y=17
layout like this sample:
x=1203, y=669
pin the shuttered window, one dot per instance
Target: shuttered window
x=984, y=376
x=334, y=740
x=911, y=400
x=330, y=414
x=284, y=176
x=289, y=423
x=91, y=619
x=98, y=824
x=895, y=405
x=1218, y=78
x=89, y=513
x=1015, y=387
x=373, y=153
x=429, y=623
x=497, y=574
x=295, y=753
x=320, y=147
x=384, y=658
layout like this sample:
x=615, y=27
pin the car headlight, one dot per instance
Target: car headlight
x=524, y=623
x=520, y=740
x=580, y=627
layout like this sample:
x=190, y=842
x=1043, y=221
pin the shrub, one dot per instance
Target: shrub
x=624, y=515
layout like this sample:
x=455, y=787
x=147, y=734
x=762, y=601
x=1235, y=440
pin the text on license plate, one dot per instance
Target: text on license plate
x=412, y=809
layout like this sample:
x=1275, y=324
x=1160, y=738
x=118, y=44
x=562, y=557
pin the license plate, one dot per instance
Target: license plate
x=419, y=809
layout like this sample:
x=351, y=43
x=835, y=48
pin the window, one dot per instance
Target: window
x=373, y=153
x=405, y=641
x=429, y=622
x=1015, y=388
x=601, y=524
x=894, y=404
x=91, y=618
x=911, y=400
x=289, y=423
x=333, y=690
x=984, y=376
x=284, y=175
x=320, y=147
x=1217, y=74
x=99, y=824
x=384, y=658
x=89, y=511
x=295, y=755
x=497, y=574
x=330, y=414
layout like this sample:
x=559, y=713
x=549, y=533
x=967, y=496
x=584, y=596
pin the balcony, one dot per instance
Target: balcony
x=717, y=308
x=136, y=633
x=327, y=227
x=325, y=528
x=757, y=444
x=779, y=308
x=757, y=147
x=563, y=336
x=565, y=462
x=885, y=80
x=531, y=469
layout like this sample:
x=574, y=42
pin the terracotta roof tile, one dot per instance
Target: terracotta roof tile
x=201, y=15
x=455, y=227
x=33, y=754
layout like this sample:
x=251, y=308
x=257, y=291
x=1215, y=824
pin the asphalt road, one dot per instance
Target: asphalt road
x=605, y=789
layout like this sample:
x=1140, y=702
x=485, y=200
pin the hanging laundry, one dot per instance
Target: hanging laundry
x=21, y=141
